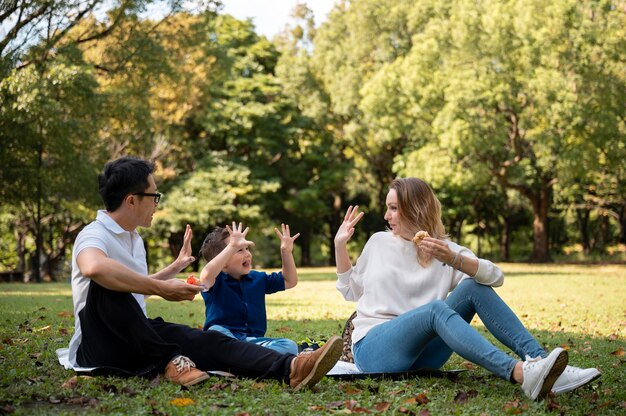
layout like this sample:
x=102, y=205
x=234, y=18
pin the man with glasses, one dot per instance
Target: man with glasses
x=110, y=281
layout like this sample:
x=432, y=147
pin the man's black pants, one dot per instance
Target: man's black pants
x=117, y=335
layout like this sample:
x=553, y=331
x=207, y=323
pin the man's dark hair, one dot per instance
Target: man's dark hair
x=214, y=243
x=121, y=177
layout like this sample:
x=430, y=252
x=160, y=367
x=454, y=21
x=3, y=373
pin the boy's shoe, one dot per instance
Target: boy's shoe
x=573, y=378
x=181, y=370
x=310, y=367
x=540, y=374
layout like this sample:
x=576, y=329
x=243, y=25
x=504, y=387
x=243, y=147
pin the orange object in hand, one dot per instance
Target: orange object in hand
x=192, y=280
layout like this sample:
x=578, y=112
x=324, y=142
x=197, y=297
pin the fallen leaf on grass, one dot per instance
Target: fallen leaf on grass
x=424, y=412
x=219, y=386
x=83, y=401
x=109, y=388
x=72, y=382
x=259, y=385
x=331, y=405
x=348, y=388
x=65, y=314
x=468, y=365
x=63, y=331
x=463, y=396
x=552, y=404
x=7, y=409
x=242, y=414
x=382, y=406
x=514, y=407
x=33, y=380
x=418, y=399
x=406, y=411
x=43, y=328
x=317, y=407
x=128, y=391
x=182, y=401
x=619, y=352
x=283, y=329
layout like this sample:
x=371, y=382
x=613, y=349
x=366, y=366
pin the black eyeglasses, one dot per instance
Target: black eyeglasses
x=156, y=196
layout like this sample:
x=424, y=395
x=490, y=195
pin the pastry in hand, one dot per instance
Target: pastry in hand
x=419, y=236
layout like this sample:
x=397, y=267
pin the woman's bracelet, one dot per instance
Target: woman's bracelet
x=456, y=256
x=461, y=266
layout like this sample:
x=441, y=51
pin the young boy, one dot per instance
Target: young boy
x=235, y=294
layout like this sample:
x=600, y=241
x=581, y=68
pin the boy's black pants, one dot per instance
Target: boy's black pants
x=116, y=335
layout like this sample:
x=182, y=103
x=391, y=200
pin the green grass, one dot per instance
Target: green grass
x=580, y=307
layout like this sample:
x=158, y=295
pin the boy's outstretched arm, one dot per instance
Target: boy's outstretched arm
x=237, y=241
x=290, y=272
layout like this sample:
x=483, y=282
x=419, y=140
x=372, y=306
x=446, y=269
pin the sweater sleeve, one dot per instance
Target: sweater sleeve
x=350, y=290
x=488, y=273
x=350, y=283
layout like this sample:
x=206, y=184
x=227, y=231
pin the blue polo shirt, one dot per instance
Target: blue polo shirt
x=239, y=305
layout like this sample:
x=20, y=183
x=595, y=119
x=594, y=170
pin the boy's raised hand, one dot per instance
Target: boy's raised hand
x=286, y=240
x=238, y=236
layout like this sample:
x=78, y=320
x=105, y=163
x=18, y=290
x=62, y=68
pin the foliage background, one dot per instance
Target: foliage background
x=512, y=110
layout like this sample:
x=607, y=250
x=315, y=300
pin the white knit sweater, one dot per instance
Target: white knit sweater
x=388, y=281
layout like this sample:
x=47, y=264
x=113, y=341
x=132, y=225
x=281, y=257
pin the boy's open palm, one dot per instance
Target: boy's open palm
x=238, y=236
x=286, y=240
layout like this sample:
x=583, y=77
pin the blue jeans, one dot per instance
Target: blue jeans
x=281, y=345
x=425, y=337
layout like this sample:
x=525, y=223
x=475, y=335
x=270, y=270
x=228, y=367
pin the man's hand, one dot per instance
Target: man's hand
x=185, y=258
x=345, y=231
x=177, y=290
x=286, y=240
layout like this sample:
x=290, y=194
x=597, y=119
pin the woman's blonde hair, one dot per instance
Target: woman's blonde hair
x=419, y=209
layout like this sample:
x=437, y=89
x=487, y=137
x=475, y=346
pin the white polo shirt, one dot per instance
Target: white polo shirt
x=118, y=244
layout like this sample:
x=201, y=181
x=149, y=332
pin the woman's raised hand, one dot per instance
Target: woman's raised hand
x=238, y=236
x=345, y=231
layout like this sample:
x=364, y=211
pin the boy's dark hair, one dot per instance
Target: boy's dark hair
x=214, y=243
x=121, y=177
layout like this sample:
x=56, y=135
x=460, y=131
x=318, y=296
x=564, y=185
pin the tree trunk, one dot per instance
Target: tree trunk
x=582, y=217
x=334, y=223
x=36, y=272
x=505, y=239
x=20, y=250
x=541, y=206
x=622, y=223
x=305, y=248
x=603, y=237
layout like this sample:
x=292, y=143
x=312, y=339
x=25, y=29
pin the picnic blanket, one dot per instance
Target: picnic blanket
x=343, y=370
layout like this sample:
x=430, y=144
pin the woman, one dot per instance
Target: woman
x=405, y=318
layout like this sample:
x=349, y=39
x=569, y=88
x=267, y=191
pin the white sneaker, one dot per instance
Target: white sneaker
x=541, y=373
x=573, y=378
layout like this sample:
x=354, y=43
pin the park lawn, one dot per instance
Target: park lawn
x=581, y=308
